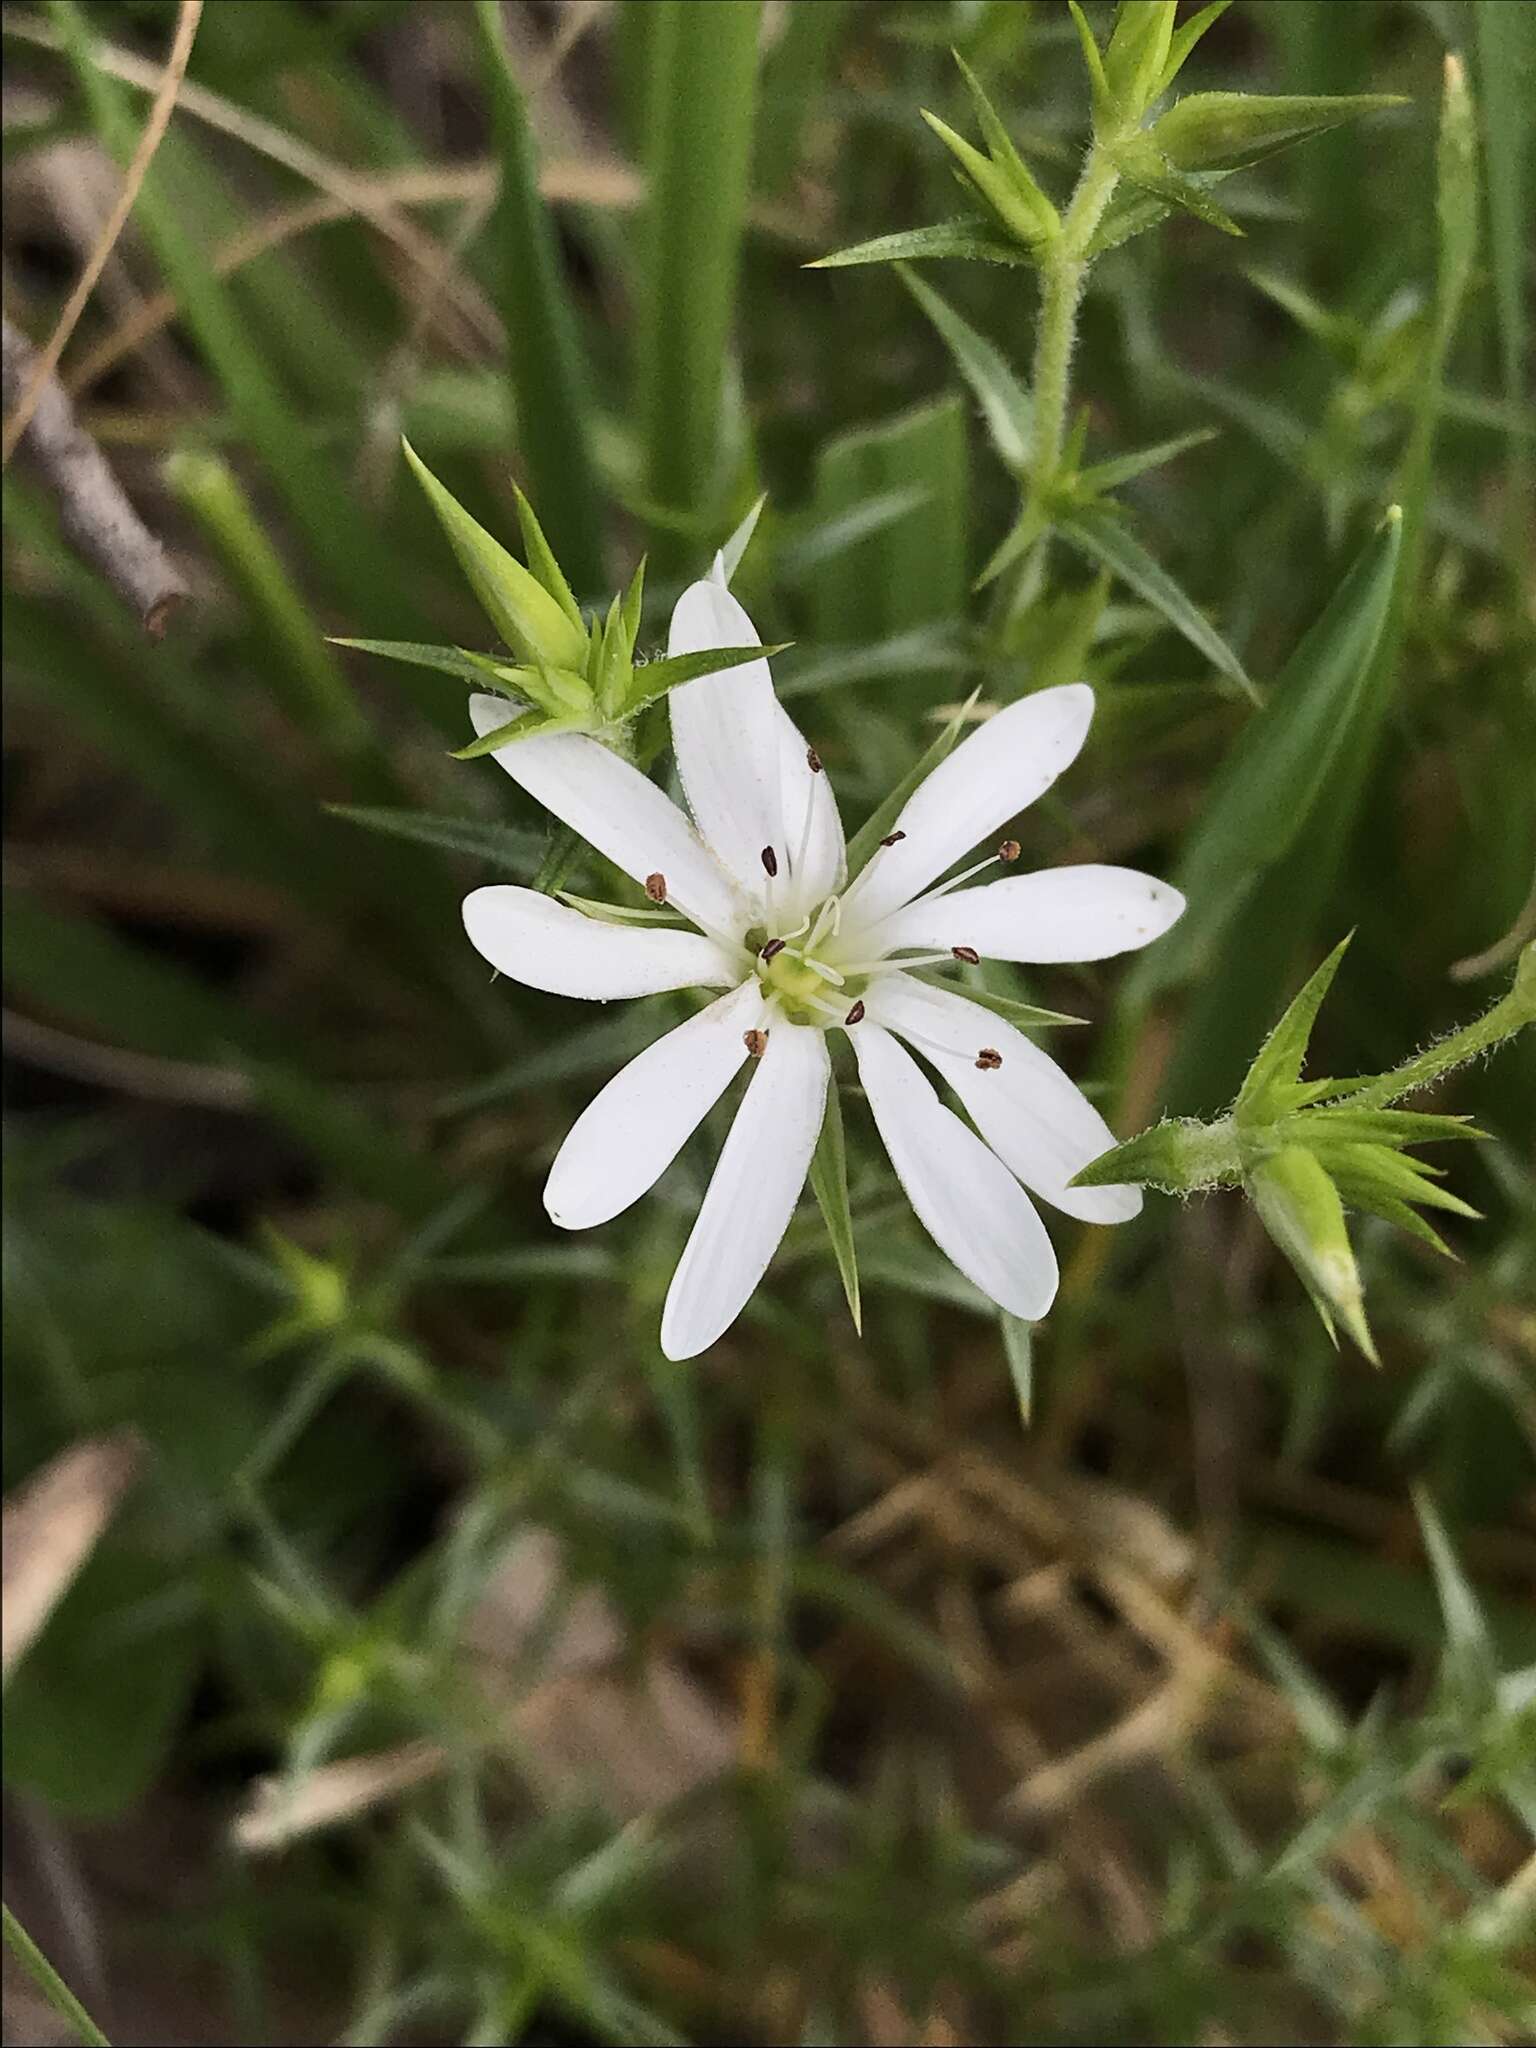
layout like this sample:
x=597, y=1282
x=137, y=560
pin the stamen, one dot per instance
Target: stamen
x=968, y=954
x=988, y=1059
x=891, y=838
x=827, y=973
x=855, y=1015
x=889, y=963
x=773, y=948
x=656, y=888
x=813, y=760
x=831, y=1011
x=756, y=1043
x=1009, y=850
x=770, y=862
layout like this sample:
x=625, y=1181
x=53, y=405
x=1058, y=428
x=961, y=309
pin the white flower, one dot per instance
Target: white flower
x=761, y=875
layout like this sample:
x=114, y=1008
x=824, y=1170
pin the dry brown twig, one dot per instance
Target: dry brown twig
x=20, y=411
x=96, y=512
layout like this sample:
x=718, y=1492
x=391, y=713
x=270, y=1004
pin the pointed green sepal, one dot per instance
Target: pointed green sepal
x=1000, y=147
x=829, y=1184
x=1140, y=160
x=741, y=540
x=533, y=624
x=1138, y=53
x=1300, y=1207
x=1106, y=113
x=1266, y=1092
x=1179, y=1155
x=1225, y=131
x=634, y=603
x=1182, y=45
x=1016, y=208
x=541, y=560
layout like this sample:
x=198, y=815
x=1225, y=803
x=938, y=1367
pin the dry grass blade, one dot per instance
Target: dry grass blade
x=281, y=1809
x=96, y=513
x=50, y=1527
x=154, y=129
x=585, y=184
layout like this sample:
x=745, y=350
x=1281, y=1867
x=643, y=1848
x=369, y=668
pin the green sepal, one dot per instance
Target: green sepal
x=634, y=603
x=1023, y=1014
x=1106, y=112
x=1032, y=522
x=615, y=669
x=866, y=840
x=527, y=727
x=1300, y=1207
x=1179, y=1155
x=1001, y=149
x=619, y=913
x=733, y=550
x=973, y=238
x=1345, y=1126
x=1226, y=131
x=829, y=1184
x=1015, y=208
x=1267, y=1090
x=533, y=624
x=1182, y=45
x=1363, y=1171
x=1137, y=53
x=1144, y=164
x=541, y=560
x=653, y=679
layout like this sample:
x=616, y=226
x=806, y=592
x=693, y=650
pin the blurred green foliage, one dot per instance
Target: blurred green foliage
x=1174, y=1714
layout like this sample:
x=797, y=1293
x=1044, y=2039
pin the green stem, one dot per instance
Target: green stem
x=49, y=1982
x=1063, y=276
x=1511, y=1013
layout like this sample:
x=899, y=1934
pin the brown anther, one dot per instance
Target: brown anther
x=773, y=946
x=891, y=838
x=968, y=954
x=855, y=1015
x=1009, y=850
x=756, y=1043
x=656, y=888
x=988, y=1060
x=813, y=760
x=770, y=861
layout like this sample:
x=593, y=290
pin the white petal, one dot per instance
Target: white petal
x=1035, y=1118
x=752, y=1193
x=630, y=1133
x=725, y=736
x=965, y=1198
x=1077, y=913
x=543, y=944
x=813, y=830
x=990, y=777
x=625, y=816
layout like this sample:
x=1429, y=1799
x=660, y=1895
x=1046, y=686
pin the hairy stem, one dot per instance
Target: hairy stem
x=1511, y=1013
x=1063, y=276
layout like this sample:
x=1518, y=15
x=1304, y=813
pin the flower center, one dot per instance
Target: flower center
x=794, y=968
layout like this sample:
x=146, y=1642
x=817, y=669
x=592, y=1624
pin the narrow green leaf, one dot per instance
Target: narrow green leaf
x=1005, y=404
x=503, y=846
x=1225, y=131
x=481, y=671
x=829, y=1184
x=1471, y=1660
x=1264, y=799
x=823, y=540
x=1105, y=107
x=545, y=360
x=1121, y=469
x=1108, y=544
x=864, y=842
x=1138, y=52
x=1018, y=1349
x=972, y=238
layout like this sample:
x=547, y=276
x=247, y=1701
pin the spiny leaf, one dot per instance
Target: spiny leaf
x=1120, y=469
x=655, y=678
x=483, y=670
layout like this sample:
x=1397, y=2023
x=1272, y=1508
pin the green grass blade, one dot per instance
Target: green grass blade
x=702, y=75
x=49, y=1983
x=551, y=402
